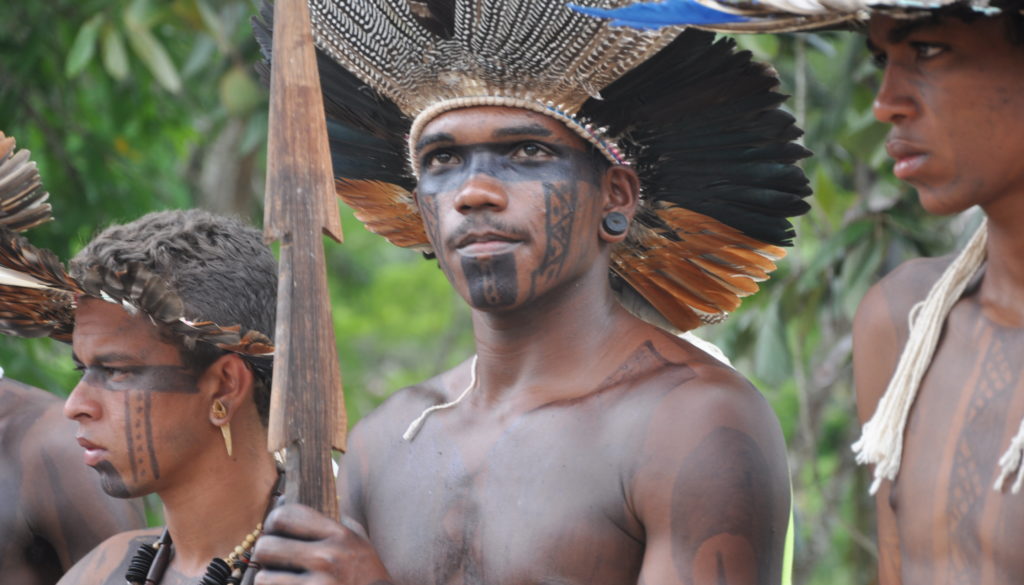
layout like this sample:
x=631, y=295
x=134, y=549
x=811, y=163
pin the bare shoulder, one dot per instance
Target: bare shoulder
x=881, y=328
x=379, y=432
x=892, y=297
x=107, y=563
x=708, y=412
x=386, y=423
x=21, y=402
x=715, y=440
x=714, y=395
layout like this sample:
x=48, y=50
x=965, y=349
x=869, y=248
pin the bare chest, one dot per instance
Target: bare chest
x=544, y=501
x=954, y=528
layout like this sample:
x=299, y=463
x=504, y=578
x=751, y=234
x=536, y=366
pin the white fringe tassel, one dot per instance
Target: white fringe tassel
x=1010, y=462
x=881, y=441
x=414, y=427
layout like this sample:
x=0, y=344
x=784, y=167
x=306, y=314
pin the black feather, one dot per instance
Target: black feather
x=701, y=122
x=366, y=130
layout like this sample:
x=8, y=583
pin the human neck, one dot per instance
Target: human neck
x=521, y=352
x=211, y=514
x=1002, y=289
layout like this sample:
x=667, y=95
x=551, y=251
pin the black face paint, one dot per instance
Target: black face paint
x=492, y=280
x=178, y=379
x=138, y=431
x=560, y=201
x=494, y=159
x=111, y=481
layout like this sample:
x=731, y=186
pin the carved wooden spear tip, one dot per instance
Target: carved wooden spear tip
x=307, y=413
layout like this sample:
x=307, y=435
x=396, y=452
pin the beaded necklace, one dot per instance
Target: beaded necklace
x=150, y=560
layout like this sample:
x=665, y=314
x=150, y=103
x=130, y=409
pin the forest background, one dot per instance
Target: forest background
x=130, y=106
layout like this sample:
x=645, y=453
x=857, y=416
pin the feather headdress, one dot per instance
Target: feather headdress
x=38, y=297
x=772, y=16
x=699, y=121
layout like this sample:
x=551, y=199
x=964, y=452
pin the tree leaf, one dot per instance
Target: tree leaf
x=83, y=47
x=153, y=54
x=239, y=92
x=213, y=25
x=115, y=57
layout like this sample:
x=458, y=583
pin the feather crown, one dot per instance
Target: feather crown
x=699, y=121
x=38, y=296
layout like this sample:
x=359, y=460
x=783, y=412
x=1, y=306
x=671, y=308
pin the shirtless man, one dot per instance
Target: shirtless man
x=953, y=91
x=53, y=510
x=949, y=511
x=584, y=445
x=168, y=404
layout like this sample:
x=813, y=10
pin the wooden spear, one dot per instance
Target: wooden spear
x=307, y=412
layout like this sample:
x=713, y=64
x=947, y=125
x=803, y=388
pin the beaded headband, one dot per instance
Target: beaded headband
x=595, y=136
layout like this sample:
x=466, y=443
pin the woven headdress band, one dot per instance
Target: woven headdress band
x=593, y=135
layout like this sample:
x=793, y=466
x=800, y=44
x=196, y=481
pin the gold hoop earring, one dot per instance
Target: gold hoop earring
x=221, y=411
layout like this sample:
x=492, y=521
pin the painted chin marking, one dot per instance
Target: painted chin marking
x=492, y=280
x=111, y=481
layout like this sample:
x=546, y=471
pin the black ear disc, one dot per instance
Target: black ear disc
x=615, y=223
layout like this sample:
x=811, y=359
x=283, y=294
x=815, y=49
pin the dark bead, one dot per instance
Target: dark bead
x=217, y=573
x=139, y=565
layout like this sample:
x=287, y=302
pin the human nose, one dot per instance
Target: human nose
x=481, y=191
x=81, y=404
x=894, y=102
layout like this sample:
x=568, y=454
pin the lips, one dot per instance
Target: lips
x=908, y=157
x=93, y=452
x=486, y=242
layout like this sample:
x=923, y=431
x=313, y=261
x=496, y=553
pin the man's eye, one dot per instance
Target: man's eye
x=928, y=50
x=880, y=60
x=531, y=150
x=439, y=159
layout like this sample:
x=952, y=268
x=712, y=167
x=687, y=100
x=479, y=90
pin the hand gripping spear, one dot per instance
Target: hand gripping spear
x=307, y=413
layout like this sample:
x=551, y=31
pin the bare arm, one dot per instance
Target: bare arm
x=714, y=496
x=63, y=500
x=877, y=342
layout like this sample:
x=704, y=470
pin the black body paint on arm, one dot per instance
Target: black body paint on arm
x=729, y=464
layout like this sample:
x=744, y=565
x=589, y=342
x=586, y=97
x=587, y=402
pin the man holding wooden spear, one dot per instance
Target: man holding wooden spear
x=588, y=191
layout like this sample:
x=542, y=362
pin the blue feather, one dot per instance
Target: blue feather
x=652, y=15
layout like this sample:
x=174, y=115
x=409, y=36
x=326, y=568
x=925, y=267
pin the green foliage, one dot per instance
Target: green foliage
x=142, y=105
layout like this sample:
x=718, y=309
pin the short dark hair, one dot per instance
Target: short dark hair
x=218, y=265
x=1011, y=9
